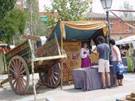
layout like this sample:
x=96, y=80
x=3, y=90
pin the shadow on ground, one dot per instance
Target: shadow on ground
x=7, y=94
x=73, y=90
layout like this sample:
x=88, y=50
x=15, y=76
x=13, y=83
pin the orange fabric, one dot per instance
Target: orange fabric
x=84, y=25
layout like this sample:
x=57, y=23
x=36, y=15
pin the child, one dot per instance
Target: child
x=119, y=73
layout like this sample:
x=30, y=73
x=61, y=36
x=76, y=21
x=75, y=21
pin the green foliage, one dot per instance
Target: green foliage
x=35, y=25
x=70, y=9
x=13, y=24
x=5, y=6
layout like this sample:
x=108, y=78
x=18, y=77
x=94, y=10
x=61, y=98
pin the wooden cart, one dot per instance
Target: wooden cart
x=47, y=58
x=46, y=63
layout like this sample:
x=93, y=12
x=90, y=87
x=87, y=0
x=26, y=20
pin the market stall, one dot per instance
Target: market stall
x=55, y=60
x=73, y=34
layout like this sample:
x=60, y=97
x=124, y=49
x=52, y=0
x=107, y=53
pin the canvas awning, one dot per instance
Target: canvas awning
x=126, y=40
x=80, y=30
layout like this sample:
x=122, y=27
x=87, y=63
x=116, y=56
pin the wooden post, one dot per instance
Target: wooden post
x=32, y=67
x=5, y=64
x=61, y=85
x=32, y=49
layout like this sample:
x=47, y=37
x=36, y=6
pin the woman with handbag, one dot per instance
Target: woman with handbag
x=116, y=61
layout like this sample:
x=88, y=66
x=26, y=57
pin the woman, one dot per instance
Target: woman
x=85, y=60
x=115, y=60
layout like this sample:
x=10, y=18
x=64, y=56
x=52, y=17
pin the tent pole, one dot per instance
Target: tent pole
x=32, y=51
x=61, y=36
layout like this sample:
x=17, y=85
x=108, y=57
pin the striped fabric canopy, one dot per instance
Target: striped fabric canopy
x=80, y=30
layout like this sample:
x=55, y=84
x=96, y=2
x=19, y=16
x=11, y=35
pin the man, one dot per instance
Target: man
x=115, y=60
x=104, y=68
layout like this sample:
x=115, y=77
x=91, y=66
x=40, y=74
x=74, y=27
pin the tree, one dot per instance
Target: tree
x=34, y=23
x=13, y=24
x=5, y=6
x=72, y=10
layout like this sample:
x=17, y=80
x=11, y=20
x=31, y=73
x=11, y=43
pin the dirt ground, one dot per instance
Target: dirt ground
x=70, y=94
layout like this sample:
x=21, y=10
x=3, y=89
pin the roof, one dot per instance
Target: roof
x=93, y=15
x=126, y=40
x=98, y=15
x=80, y=30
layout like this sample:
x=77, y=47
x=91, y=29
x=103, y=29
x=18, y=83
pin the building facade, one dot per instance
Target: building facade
x=118, y=29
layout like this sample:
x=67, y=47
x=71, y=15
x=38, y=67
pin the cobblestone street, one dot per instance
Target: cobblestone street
x=70, y=94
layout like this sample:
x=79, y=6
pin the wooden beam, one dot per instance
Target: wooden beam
x=50, y=58
x=32, y=37
x=123, y=10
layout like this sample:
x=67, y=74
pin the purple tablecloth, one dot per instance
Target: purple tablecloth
x=86, y=78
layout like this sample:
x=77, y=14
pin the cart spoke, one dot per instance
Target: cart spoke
x=12, y=65
x=21, y=76
x=22, y=83
x=52, y=79
x=12, y=70
x=14, y=82
x=16, y=86
x=17, y=66
x=18, y=62
x=23, y=71
x=21, y=67
x=56, y=73
x=18, y=83
x=56, y=78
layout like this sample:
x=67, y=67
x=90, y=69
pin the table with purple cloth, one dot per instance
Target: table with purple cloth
x=87, y=78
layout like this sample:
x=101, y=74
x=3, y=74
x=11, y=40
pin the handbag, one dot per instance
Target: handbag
x=120, y=68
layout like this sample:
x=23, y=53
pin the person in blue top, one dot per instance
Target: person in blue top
x=104, y=68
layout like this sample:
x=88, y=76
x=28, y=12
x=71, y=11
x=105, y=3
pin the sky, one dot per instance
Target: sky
x=96, y=6
x=44, y=3
x=116, y=4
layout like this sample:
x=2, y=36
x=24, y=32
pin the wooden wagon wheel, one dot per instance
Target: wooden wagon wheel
x=51, y=77
x=18, y=75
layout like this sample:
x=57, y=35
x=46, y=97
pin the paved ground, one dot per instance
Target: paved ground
x=70, y=94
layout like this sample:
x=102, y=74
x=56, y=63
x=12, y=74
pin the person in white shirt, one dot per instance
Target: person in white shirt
x=115, y=59
x=84, y=54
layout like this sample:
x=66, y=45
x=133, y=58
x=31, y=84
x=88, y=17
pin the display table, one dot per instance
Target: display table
x=87, y=78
